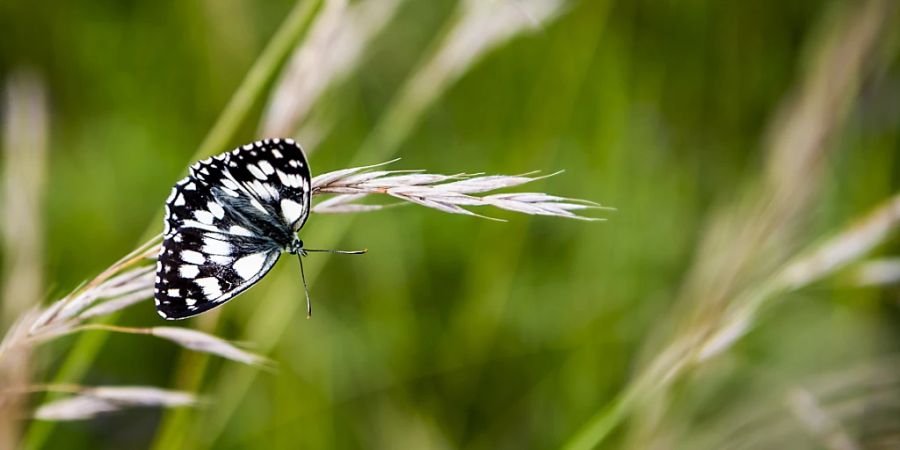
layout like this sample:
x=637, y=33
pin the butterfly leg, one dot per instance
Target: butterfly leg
x=305, y=287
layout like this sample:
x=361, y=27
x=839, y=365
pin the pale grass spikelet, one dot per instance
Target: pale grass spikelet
x=90, y=402
x=447, y=193
x=74, y=408
x=203, y=342
x=112, y=305
x=877, y=272
x=847, y=246
x=116, y=293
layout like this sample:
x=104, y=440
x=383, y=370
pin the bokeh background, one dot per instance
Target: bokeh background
x=743, y=294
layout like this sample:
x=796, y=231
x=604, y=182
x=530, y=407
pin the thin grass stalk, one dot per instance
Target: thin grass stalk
x=476, y=28
x=24, y=120
x=259, y=78
x=25, y=123
x=332, y=50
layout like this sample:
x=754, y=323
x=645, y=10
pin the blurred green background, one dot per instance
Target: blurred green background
x=456, y=332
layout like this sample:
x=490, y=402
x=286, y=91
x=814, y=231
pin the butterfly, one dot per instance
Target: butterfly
x=228, y=222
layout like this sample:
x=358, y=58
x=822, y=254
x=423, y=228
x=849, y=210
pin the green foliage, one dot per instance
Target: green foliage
x=455, y=332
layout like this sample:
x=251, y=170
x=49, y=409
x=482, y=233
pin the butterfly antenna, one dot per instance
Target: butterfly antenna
x=305, y=288
x=339, y=252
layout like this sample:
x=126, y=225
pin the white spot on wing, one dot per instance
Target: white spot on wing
x=256, y=172
x=216, y=247
x=188, y=271
x=174, y=293
x=266, y=167
x=202, y=226
x=204, y=217
x=249, y=265
x=216, y=210
x=210, y=286
x=239, y=230
x=290, y=179
x=221, y=260
x=277, y=154
x=192, y=257
x=263, y=190
x=258, y=206
x=227, y=182
x=179, y=200
x=291, y=210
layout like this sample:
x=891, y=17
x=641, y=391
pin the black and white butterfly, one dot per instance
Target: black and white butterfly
x=227, y=223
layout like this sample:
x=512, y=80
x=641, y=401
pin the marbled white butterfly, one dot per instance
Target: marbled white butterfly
x=227, y=223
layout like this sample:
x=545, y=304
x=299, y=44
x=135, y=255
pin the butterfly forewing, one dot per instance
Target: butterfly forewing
x=277, y=175
x=227, y=223
x=206, y=269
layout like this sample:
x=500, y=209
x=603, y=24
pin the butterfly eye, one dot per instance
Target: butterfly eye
x=299, y=243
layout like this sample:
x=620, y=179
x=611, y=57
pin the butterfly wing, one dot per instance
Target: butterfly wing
x=227, y=223
x=203, y=269
x=276, y=173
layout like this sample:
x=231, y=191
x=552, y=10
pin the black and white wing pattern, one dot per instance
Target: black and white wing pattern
x=227, y=223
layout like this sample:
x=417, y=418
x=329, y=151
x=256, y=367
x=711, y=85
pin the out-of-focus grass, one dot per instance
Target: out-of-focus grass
x=456, y=332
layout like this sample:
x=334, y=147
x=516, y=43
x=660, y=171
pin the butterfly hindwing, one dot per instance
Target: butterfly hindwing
x=200, y=270
x=227, y=223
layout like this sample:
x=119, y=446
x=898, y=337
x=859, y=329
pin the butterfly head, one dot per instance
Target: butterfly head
x=296, y=247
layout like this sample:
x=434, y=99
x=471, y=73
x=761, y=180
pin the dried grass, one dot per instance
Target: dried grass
x=88, y=402
x=447, y=193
